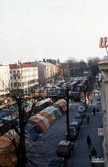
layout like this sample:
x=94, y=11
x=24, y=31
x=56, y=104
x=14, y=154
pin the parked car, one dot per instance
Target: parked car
x=74, y=128
x=55, y=162
x=64, y=148
x=78, y=118
x=73, y=134
x=82, y=113
x=74, y=124
x=81, y=108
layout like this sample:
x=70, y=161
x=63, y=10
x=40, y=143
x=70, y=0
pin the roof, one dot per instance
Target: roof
x=74, y=123
x=47, y=63
x=21, y=65
x=64, y=142
x=103, y=62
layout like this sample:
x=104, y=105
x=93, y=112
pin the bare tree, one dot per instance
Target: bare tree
x=20, y=148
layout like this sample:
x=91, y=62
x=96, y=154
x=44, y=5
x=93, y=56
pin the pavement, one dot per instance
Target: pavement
x=80, y=155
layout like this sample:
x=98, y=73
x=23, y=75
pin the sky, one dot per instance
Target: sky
x=50, y=29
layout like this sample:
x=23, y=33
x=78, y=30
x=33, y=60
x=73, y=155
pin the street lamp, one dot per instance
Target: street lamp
x=67, y=113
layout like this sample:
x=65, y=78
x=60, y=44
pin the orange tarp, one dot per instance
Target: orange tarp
x=62, y=103
x=48, y=115
x=40, y=122
x=7, y=152
x=40, y=94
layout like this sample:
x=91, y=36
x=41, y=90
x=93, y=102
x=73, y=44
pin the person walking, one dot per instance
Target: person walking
x=88, y=139
x=94, y=111
x=88, y=119
x=93, y=153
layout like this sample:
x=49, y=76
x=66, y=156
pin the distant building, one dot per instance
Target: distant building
x=4, y=79
x=46, y=71
x=23, y=77
x=104, y=101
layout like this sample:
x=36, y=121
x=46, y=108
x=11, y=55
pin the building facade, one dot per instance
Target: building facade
x=4, y=79
x=46, y=71
x=104, y=87
x=23, y=77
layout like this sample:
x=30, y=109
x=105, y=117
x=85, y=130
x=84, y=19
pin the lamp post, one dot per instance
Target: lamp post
x=67, y=113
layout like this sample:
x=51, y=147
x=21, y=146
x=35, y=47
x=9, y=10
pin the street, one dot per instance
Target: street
x=44, y=148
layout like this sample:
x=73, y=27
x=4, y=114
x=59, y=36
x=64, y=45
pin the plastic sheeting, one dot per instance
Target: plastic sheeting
x=62, y=103
x=55, y=112
x=44, y=119
x=31, y=131
x=40, y=122
x=7, y=150
x=47, y=115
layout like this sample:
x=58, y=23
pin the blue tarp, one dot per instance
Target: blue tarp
x=29, y=129
x=4, y=113
x=32, y=132
x=73, y=93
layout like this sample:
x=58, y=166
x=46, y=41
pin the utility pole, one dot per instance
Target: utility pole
x=67, y=113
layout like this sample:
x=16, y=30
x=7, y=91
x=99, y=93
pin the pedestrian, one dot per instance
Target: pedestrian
x=89, y=143
x=94, y=111
x=97, y=110
x=93, y=152
x=88, y=119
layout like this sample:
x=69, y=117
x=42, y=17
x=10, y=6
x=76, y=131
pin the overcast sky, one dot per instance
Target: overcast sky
x=36, y=29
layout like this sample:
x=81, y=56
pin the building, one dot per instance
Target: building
x=46, y=71
x=104, y=87
x=4, y=79
x=23, y=77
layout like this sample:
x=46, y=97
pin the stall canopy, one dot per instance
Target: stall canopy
x=7, y=150
x=44, y=119
x=62, y=103
x=48, y=110
x=36, y=126
x=4, y=113
x=40, y=105
x=47, y=115
x=40, y=122
x=30, y=131
x=54, y=111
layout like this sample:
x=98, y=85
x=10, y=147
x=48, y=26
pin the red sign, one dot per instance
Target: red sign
x=100, y=132
x=103, y=43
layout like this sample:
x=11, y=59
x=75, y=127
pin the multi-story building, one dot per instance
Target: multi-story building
x=104, y=87
x=4, y=79
x=23, y=77
x=46, y=71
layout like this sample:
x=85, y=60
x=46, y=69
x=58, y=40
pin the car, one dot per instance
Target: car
x=73, y=134
x=64, y=148
x=81, y=108
x=78, y=118
x=74, y=128
x=74, y=124
x=55, y=162
x=82, y=113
